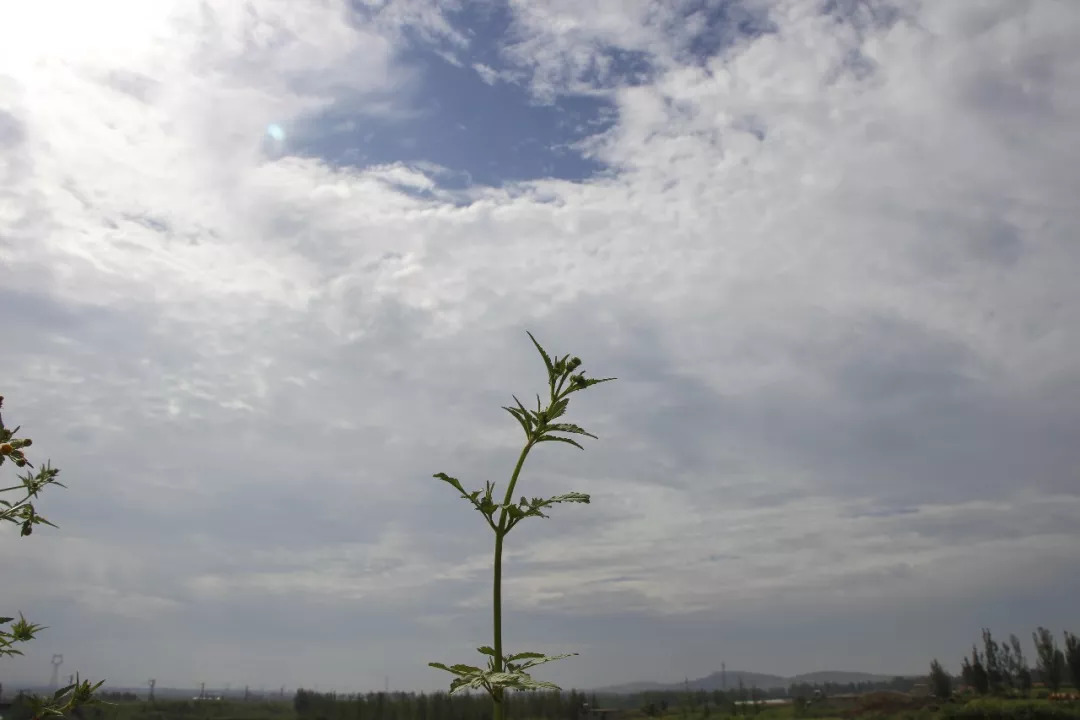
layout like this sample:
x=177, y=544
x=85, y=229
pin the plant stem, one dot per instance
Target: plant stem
x=497, y=696
x=496, y=605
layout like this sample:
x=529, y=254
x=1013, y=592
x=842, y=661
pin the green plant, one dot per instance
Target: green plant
x=1072, y=658
x=23, y=513
x=509, y=671
x=998, y=709
x=974, y=673
x=1051, y=661
x=940, y=681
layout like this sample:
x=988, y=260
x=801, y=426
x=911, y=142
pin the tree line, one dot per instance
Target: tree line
x=1000, y=668
x=553, y=705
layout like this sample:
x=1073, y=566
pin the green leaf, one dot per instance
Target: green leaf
x=580, y=382
x=452, y=481
x=546, y=659
x=463, y=669
x=523, y=656
x=558, y=408
x=521, y=418
x=574, y=497
x=486, y=650
x=569, y=428
x=458, y=669
x=556, y=438
x=543, y=354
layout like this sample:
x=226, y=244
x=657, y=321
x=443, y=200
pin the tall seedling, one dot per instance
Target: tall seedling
x=510, y=671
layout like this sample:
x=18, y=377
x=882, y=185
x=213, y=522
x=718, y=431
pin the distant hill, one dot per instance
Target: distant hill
x=762, y=681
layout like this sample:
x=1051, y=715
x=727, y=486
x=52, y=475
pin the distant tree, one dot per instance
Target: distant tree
x=1051, y=661
x=302, y=701
x=1020, y=670
x=1072, y=658
x=973, y=673
x=940, y=681
x=1008, y=666
x=995, y=675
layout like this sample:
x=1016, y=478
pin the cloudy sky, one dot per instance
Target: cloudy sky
x=265, y=267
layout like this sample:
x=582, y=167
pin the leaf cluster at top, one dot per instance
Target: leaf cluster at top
x=512, y=676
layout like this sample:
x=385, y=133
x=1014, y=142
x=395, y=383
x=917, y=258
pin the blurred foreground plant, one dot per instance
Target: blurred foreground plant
x=509, y=671
x=22, y=512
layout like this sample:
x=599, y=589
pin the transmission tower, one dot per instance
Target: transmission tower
x=57, y=661
x=151, y=682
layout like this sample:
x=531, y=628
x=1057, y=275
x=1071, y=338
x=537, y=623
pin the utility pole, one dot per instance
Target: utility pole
x=152, y=682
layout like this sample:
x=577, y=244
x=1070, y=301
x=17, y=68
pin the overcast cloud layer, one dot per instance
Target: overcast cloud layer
x=255, y=291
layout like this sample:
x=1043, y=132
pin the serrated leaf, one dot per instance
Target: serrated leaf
x=486, y=650
x=525, y=425
x=546, y=659
x=451, y=481
x=463, y=669
x=575, y=497
x=569, y=428
x=556, y=438
x=543, y=354
x=523, y=655
x=587, y=383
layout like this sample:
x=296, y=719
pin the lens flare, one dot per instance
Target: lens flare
x=275, y=131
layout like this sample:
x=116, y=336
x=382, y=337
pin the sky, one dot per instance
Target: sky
x=266, y=267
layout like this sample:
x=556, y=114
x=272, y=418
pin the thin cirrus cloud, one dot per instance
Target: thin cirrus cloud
x=267, y=269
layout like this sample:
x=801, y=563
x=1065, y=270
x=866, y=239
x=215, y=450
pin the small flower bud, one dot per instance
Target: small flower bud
x=6, y=449
x=575, y=363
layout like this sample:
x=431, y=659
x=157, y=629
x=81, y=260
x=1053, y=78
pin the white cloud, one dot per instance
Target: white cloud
x=828, y=289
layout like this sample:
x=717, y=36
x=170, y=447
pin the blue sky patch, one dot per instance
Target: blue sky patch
x=482, y=133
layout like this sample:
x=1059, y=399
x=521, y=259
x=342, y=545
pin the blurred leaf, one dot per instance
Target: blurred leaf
x=556, y=438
